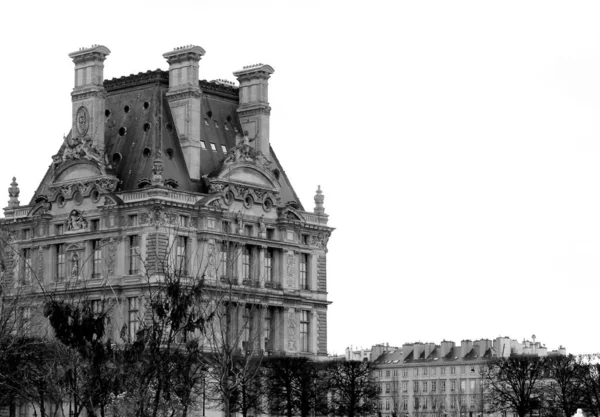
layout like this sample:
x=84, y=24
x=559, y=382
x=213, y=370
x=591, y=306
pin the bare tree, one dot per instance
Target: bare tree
x=514, y=383
x=353, y=389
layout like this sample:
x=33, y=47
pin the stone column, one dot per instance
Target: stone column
x=261, y=266
x=312, y=335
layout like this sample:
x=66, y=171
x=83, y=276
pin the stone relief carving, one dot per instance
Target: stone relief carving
x=82, y=120
x=112, y=255
x=290, y=268
x=211, y=270
x=320, y=240
x=76, y=221
x=243, y=151
x=103, y=185
x=40, y=264
x=291, y=329
x=79, y=148
x=74, y=265
x=157, y=217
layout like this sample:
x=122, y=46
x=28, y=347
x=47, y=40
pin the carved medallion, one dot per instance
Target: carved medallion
x=82, y=121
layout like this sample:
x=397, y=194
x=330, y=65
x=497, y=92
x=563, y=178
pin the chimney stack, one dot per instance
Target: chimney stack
x=184, y=100
x=88, y=94
x=254, y=111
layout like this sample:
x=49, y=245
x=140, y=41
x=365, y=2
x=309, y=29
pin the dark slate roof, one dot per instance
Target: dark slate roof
x=140, y=125
x=137, y=132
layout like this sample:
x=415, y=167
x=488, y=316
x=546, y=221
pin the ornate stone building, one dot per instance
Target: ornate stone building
x=163, y=161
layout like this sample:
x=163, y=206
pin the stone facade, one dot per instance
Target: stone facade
x=164, y=169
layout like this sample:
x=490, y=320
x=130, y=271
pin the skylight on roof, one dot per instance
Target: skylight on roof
x=224, y=148
x=203, y=144
x=213, y=146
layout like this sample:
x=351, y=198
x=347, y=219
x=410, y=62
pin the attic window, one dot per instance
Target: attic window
x=213, y=146
x=169, y=127
x=209, y=114
x=122, y=131
x=224, y=148
x=126, y=109
x=226, y=126
x=116, y=158
x=203, y=144
x=216, y=124
x=170, y=153
x=146, y=105
x=107, y=112
x=146, y=127
x=147, y=152
x=229, y=118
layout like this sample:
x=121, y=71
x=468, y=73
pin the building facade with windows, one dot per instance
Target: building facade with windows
x=164, y=167
x=425, y=379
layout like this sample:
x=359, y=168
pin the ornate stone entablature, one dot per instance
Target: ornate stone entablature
x=67, y=189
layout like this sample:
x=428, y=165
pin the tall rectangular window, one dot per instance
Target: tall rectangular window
x=133, y=317
x=61, y=269
x=181, y=255
x=453, y=386
x=404, y=386
x=303, y=271
x=304, y=335
x=442, y=386
x=223, y=260
x=452, y=370
x=424, y=386
x=433, y=386
x=269, y=265
x=267, y=329
x=23, y=410
x=58, y=229
x=134, y=255
x=97, y=258
x=246, y=263
x=247, y=326
x=26, y=262
x=405, y=403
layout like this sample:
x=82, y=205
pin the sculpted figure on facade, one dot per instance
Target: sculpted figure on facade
x=76, y=221
x=290, y=268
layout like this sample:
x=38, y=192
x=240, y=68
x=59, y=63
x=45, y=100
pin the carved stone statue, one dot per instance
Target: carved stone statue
x=76, y=221
x=75, y=265
x=262, y=227
x=240, y=222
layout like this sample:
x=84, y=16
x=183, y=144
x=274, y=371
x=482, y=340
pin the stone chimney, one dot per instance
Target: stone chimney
x=254, y=111
x=445, y=347
x=502, y=347
x=184, y=100
x=429, y=347
x=406, y=349
x=482, y=346
x=465, y=347
x=88, y=96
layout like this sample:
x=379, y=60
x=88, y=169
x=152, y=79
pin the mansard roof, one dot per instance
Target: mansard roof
x=139, y=127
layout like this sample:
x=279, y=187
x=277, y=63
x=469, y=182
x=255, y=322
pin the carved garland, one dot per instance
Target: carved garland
x=267, y=198
x=103, y=185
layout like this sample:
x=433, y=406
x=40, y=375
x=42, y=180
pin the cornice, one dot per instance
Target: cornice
x=158, y=77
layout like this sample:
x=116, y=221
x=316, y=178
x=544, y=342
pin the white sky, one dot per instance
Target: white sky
x=457, y=144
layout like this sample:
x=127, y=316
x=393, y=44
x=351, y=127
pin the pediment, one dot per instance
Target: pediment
x=250, y=174
x=77, y=170
x=74, y=247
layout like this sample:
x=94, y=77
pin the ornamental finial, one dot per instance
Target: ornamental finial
x=157, y=170
x=13, y=194
x=319, y=198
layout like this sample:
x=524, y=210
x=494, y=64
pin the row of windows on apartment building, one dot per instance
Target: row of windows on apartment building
x=69, y=265
x=433, y=403
x=429, y=370
x=182, y=221
x=429, y=386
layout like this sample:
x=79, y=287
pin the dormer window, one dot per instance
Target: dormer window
x=224, y=148
x=213, y=147
x=203, y=144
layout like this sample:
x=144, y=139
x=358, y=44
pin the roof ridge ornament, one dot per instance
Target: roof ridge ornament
x=319, y=198
x=13, y=193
